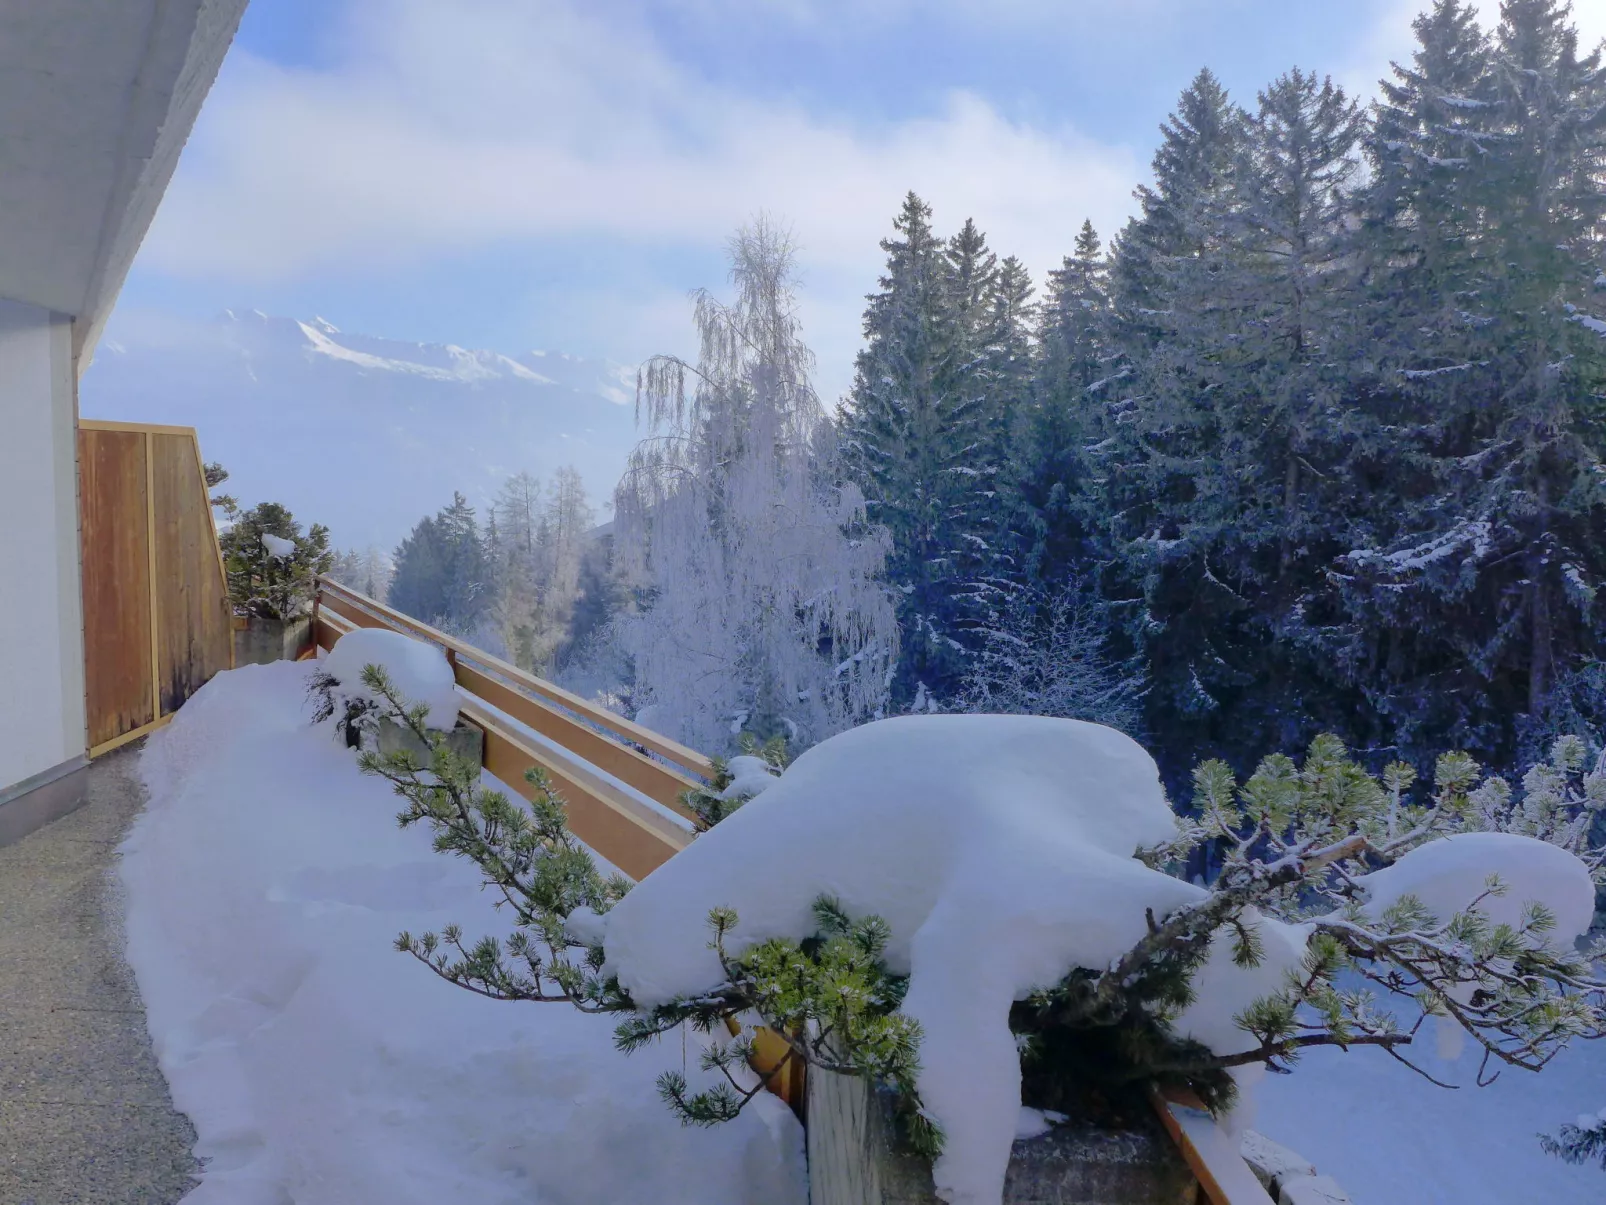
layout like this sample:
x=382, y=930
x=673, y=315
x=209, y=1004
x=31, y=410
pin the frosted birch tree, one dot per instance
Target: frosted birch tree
x=764, y=609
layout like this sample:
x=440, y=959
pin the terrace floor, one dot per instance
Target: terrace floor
x=85, y=1115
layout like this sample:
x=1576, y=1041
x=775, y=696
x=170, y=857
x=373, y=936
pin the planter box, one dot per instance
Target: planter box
x=852, y=1161
x=263, y=641
x=465, y=740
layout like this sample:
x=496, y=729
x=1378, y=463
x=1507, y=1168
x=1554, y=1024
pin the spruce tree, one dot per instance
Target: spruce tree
x=909, y=435
x=442, y=573
x=1199, y=145
x=1472, y=593
x=1060, y=439
x=1227, y=477
x=418, y=586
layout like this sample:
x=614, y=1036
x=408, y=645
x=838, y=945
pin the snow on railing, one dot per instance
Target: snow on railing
x=622, y=783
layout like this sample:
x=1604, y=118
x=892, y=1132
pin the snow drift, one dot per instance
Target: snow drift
x=998, y=849
x=265, y=883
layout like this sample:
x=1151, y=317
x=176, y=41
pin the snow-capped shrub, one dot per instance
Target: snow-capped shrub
x=419, y=672
x=832, y=982
x=975, y=911
x=737, y=779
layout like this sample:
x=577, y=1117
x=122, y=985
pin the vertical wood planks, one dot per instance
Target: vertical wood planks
x=157, y=622
x=193, y=622
x=113, y=505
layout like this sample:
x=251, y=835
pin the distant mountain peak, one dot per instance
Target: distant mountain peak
x=363, y=433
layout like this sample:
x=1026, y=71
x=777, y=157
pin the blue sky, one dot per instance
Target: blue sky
x=559, y=173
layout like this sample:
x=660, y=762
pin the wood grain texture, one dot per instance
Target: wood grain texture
x=194, y=628
x=626, y=832
x=653, y=779
x=364, y=612
x=1212, y=1155
x=113, y=507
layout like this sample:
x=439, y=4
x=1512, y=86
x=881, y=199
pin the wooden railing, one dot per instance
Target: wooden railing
x=590, y=754
x=1213, y=1157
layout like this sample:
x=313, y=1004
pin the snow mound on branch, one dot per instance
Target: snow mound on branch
x=1447, y=875
x=278, y=546
x=419, y=671
x=749, y=777
x=998, y=849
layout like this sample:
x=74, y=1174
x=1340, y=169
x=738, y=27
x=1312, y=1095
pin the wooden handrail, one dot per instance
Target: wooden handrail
x=1210, y=1154
x=624, y=830
x=333, y=593
x=652, y=778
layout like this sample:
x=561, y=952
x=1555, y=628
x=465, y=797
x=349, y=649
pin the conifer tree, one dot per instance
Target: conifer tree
x=1473, y=592
x=909, y=435
x=1200, y=143
x=1226, y=486
x=441, y=572
x=1058, y=441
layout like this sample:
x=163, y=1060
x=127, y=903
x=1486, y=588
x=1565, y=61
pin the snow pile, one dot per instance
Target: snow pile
x=278, y=546
x=1393, y=1138
x=418, y=670
x=264, y=885
x=998, y=849
x=1452, y=874
x=749, y=777
x=1447, y=875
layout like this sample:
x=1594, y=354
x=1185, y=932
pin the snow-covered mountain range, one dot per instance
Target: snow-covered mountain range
x=361, y=433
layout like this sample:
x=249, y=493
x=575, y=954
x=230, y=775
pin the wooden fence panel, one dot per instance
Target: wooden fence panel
x=194, y=621
x=113, y=485
x=156, y=612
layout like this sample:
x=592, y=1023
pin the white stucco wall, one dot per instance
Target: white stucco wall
x=41, y=608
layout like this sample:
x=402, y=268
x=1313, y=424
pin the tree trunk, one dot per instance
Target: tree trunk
x=1541, y=650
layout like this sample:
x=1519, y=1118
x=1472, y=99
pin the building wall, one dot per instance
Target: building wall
x=41, y=609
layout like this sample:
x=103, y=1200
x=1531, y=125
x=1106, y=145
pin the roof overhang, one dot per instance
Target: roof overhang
x=97, y=98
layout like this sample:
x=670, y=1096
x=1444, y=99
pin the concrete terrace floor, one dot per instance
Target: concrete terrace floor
x=85, y=1115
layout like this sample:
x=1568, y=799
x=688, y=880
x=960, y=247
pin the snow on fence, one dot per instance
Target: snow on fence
x=587, y=751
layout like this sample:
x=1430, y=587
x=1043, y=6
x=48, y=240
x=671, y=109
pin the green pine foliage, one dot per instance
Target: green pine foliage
x=442, y=571
x=1579, y=1143
x=830, y=995
x=265, y=585
x=1290, y=838
x=709, y=804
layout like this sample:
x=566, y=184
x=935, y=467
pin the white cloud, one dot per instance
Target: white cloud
x=447, y=129
x=455, y=127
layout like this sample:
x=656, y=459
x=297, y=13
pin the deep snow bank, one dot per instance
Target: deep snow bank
x=999, y=850
x=264, y=885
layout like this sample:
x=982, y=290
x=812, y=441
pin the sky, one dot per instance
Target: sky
x=560, y=174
